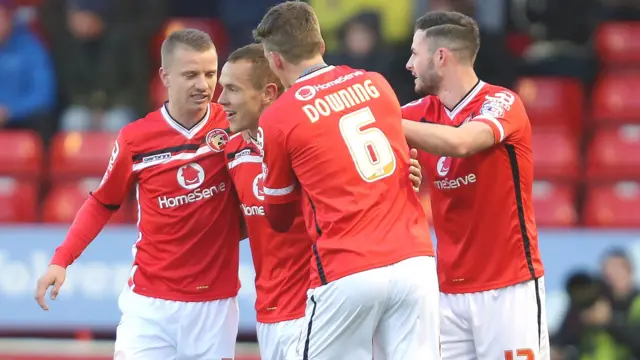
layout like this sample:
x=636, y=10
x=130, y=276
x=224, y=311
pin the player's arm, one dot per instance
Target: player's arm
x=90, y=219
x=281, y=189
x=499, y=118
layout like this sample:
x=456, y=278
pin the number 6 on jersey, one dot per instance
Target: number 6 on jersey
x=370, y=150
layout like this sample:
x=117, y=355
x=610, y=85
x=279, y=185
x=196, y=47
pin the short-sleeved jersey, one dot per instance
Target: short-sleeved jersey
x=187, y=247
x=281, y=260
x=335, y=137
x=482, y=207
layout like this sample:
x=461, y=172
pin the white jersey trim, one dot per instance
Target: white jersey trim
x=462, y=104
x=495, y=122
x=280, y=192
x=315, y=73
x=202, y=150
x=188, y=133
x=245, y=159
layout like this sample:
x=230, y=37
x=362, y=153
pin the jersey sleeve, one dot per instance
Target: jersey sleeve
x=504, y=112
x=280, y=183
x=118, y=178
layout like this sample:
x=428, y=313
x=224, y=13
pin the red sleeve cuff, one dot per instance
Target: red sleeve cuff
x=494, y=124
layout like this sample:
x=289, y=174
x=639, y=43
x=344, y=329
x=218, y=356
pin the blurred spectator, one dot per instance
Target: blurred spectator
x=27, y=85
x=101, y=51
x=240, y=20
x=561, y=31
x=361, y=47
x=593, y=328
x=617, y=271
x=619, y=10
x=396, y=18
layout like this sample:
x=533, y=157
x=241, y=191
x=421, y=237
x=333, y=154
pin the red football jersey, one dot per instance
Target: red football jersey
x=482, y=204
x=189, y=219
x=281, y=260
x=337, y=133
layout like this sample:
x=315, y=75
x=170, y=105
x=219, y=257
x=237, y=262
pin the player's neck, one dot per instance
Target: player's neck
x=252, y=133
x=457, y=87
x=304, y=68
x=185, y=117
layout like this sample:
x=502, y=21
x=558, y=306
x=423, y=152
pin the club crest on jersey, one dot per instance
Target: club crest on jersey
x=443, y=166
x=190, y=176
x=258, y=187
x=259, y=140
x=492, y=108
x=217, y=140
x=305, y=93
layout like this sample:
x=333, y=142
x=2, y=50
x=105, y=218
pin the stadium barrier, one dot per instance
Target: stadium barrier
x=89, y=298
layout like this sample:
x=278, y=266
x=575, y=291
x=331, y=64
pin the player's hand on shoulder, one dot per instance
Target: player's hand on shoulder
x=415, y=170
x=55, y=277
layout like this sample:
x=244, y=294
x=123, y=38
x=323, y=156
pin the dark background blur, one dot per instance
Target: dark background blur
x=73, y=72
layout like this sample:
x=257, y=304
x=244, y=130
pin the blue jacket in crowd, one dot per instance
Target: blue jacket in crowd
x=27, y=79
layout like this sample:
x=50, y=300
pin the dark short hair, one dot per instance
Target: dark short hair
x=291, y=29
x=261, y=73
x=193, y=38
x=453, y=30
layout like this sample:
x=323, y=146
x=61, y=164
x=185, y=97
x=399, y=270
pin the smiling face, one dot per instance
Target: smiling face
x=241, y=99
x=191, y=77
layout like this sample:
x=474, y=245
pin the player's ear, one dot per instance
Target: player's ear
x=278, y=61
x=323, y=48
x=164, y=76
x=269, y=94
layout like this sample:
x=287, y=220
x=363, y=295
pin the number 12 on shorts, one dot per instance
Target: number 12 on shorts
x=520, y=354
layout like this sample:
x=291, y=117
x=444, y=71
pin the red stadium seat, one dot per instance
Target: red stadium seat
x=553, y=102
x=18, y=200
x=618, y=43
x=76, y=155
x=613, y=154
x=20, y=154
x=613, y=205
x=555, y=154
x=614, y=98
x=65, y=199
x=554, y=204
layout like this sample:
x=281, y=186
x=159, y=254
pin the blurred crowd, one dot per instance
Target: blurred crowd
x=603, y=319
x=87, y=64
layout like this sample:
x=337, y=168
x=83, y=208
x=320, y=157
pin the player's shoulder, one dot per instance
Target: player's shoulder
x=137, y=131
x=497, y=93
x=417, y=109
x=236, y=142
x=498, y=101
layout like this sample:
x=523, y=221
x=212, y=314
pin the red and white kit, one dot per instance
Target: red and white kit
x=335, y=138
x=281, y=260
x=489, y=266
x=181, y=296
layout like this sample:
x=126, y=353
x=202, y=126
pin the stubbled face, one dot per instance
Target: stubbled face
x=242, y=102
x=191, y=77
x=422, y=65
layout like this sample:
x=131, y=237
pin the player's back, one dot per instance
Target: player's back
x=482, y=206
x=348, y=151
